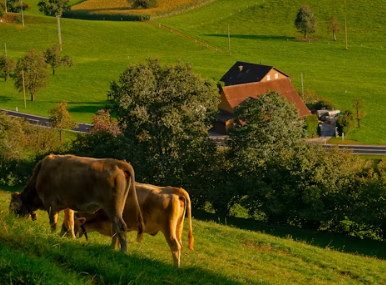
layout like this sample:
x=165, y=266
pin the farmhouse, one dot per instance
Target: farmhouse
x=248, y=80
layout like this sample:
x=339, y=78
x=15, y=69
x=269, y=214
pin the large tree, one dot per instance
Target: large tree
x=7, y=66
x=33, y=68
x=54, y=59
x=53, y=7
x=266, y=125
x=305, y=21
x=61, y=119
x=165, y=114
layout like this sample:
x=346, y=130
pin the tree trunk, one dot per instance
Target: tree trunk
x=5, y=77
x=32, y=97
x=305, y=35
x=333, y=33
x=359, y=123
x=61, y=135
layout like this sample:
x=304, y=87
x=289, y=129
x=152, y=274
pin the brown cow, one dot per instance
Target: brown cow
x=163, y=209
x=67, y=182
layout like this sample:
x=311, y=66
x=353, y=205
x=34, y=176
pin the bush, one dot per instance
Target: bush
x=312, y=124
x=324, y=103
x=345, y=123
x=145, y=4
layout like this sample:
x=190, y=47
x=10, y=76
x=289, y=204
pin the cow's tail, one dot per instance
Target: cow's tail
x=133, y=194
x=188, y=208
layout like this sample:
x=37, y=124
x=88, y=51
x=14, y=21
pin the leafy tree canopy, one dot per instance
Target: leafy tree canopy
x=7, y=66
x=34, y=68
x=165, y=113
x=60, y=118
x=54, y=59
x=305, y=21
x=266, y=126
x=53, y=7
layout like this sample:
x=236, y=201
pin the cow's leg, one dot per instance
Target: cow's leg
x=69, y=221
x=119, y=229
x=53, y=215
x=171, y=238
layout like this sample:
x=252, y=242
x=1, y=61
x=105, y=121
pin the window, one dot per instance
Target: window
x=276, y=76
x=268, y=77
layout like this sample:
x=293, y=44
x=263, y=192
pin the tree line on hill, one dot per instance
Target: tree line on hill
x=163, y=114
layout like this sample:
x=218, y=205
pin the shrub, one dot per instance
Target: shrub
x=345, y=123
x=324, y=103
x=145, y=4
x=312, y=124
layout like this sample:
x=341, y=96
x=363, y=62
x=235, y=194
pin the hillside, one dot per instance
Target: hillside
x=260, y=32
x=223, y=255
x=265, y=32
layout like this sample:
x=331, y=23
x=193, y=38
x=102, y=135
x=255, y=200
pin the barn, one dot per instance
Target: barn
x=245, y=80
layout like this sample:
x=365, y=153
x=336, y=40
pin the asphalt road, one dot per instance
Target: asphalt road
x=44, y=121
x=84, y=128
x=362, y=149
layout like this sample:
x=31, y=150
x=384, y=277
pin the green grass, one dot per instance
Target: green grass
x=223, y=255
x=258, y=33
x=100, y=52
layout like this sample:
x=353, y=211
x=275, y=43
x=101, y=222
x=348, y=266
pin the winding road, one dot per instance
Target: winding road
x=84, y=128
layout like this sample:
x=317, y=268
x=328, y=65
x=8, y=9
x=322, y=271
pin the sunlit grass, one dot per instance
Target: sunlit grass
x=223, y=255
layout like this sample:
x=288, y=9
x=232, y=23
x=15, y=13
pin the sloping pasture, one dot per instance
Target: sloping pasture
x=30, y=254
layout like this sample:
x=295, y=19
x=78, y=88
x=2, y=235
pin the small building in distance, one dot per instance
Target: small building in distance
x=245, y=80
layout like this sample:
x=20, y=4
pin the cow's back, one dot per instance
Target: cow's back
x=79, y=183
x=159, y=205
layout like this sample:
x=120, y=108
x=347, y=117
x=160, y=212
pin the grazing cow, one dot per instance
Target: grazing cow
x=67, y=182
x=163, y=209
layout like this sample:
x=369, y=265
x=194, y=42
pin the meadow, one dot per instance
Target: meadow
x=261, y=31
x=31, y=254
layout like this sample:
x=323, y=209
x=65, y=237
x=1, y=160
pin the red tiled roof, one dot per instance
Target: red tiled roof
x=236, y=94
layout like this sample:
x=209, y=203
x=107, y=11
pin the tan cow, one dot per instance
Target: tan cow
x=163, y=209
x=67, y=182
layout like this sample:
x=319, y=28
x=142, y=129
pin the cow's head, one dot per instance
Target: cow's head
x=18, y=207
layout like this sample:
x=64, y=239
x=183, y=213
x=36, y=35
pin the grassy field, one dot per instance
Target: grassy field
x=260, y=32
x=123, y=9
x=30, y=254
x=265, y=32
x=100, y=50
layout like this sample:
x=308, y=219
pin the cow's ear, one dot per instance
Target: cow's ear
x=81, y=221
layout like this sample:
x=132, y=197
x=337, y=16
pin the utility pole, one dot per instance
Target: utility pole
x=229, y=41
x=59, y=32
x=22, y=13
x=345, y=31
x=302, y=86
x=5, y=6
x=25, y=102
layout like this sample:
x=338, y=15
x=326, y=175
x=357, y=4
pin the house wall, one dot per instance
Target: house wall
x=224, y=103
x=272, y=73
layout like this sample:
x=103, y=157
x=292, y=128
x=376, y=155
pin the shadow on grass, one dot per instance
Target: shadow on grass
x=334, y=241
x=5, y=98
x=252, y=37
x=105, y=266
x=91, y=107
